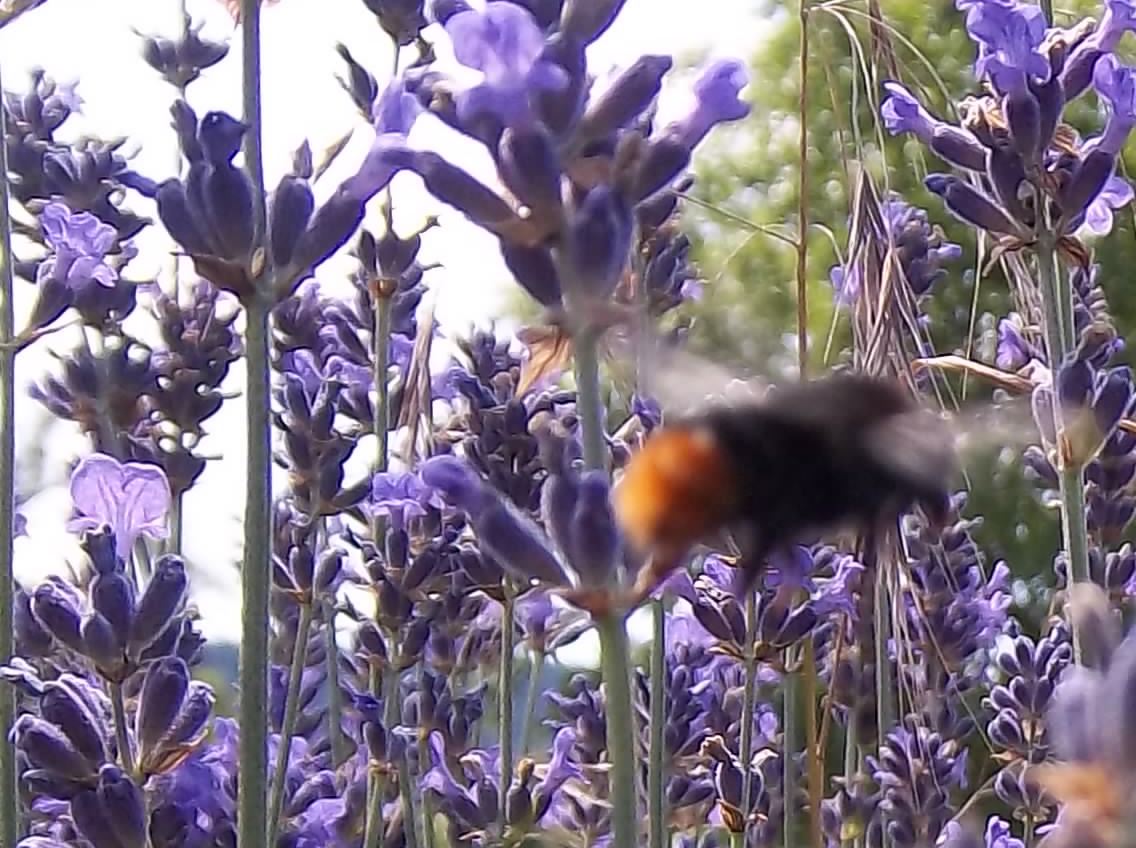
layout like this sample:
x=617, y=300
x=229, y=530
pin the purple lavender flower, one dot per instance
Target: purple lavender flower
x=394, y=114
x=505, y=44
x=131, y=498
x=1116, y=85
x=401, y=496
x=1009, y=37
x=80, y=243
x=716, y=102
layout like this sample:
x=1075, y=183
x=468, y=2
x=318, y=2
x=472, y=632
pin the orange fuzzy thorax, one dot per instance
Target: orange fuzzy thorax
x=675, y=490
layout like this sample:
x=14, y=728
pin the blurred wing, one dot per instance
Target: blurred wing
x=919, y=446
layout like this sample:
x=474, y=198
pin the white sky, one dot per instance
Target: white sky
x=95, y=43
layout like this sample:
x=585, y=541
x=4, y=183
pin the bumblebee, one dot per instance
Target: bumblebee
x=846, y=451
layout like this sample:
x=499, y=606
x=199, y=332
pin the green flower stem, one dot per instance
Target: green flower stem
x=656, y=767
x=852, y=766
x=9, y=806
x=790, y=830
x=121, y=733
x=814, y=756
x=252, y=797
x=1061, y=340
x=620, y=729
x=291, y=714
x=177, y=508
x=749, y=699
x=339, y=752
x=536, y=667
x=375, y=825
x=587, y=367
x=885, y=705
x=505, y=695
x=428, y=835
x=615, y=661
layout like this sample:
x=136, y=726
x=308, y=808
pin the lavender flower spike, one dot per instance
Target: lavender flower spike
x=1116, y=85
x=132, y=498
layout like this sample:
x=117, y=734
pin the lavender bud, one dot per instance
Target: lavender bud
x=292, y=205
x=966, y=203
x=958, y=147
x=329, y=229
x=454, y=186
x=595, y=534
x=179, y=219
x=101, y=644
x=1087, y=182
x=535, y=270
x=663, y=160
x=123, y=805
x=159, y=602
x=160, y=701
x=587, y=20
x=397, y=548
x=112, y=595
x=328, y=570
x=54, y=609
x=1023, y=115
x=1113, y=401
x=59, y=705
x=47, y=747
x=92, y=820
x=530, y=169
x=1051, y=101
x=627, y=98
x=559, y=110
x=598, y=242
x=1078, y=72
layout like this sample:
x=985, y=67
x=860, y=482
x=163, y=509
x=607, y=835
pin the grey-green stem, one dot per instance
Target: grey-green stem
x=791, y=829
x=505, y=695
x=536, y=667
x=252, y=800
x=1060, y=341
x=9, y=806
x=614, y=660
x=749, y=699
x=620, y=729
x=291, y=714
x=656, y=765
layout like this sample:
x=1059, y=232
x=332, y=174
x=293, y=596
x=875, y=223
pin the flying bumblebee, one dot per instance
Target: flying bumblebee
x=844, y=451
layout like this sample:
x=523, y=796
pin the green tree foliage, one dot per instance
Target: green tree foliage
x=750, y=185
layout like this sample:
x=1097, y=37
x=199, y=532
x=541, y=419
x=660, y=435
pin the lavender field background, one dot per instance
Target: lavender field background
x=306, y=361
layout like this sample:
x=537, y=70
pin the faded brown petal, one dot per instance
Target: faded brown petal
x=550, y=350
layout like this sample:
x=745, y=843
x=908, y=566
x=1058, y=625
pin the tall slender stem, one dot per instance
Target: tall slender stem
x=1061, y=340
x=339, y=752
x=749, y=699
x=536, y=667
x=815, y=756
x=253, y=787
x=9, y=806
x=505, y=695
x=656, y=765
x=587, y=369
x=615, y=660
x=790, y=831
x=886, y=707
x=616, y=666
x=291, y=714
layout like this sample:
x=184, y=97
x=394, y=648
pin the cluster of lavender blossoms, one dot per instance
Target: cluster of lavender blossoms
x=413, y=691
